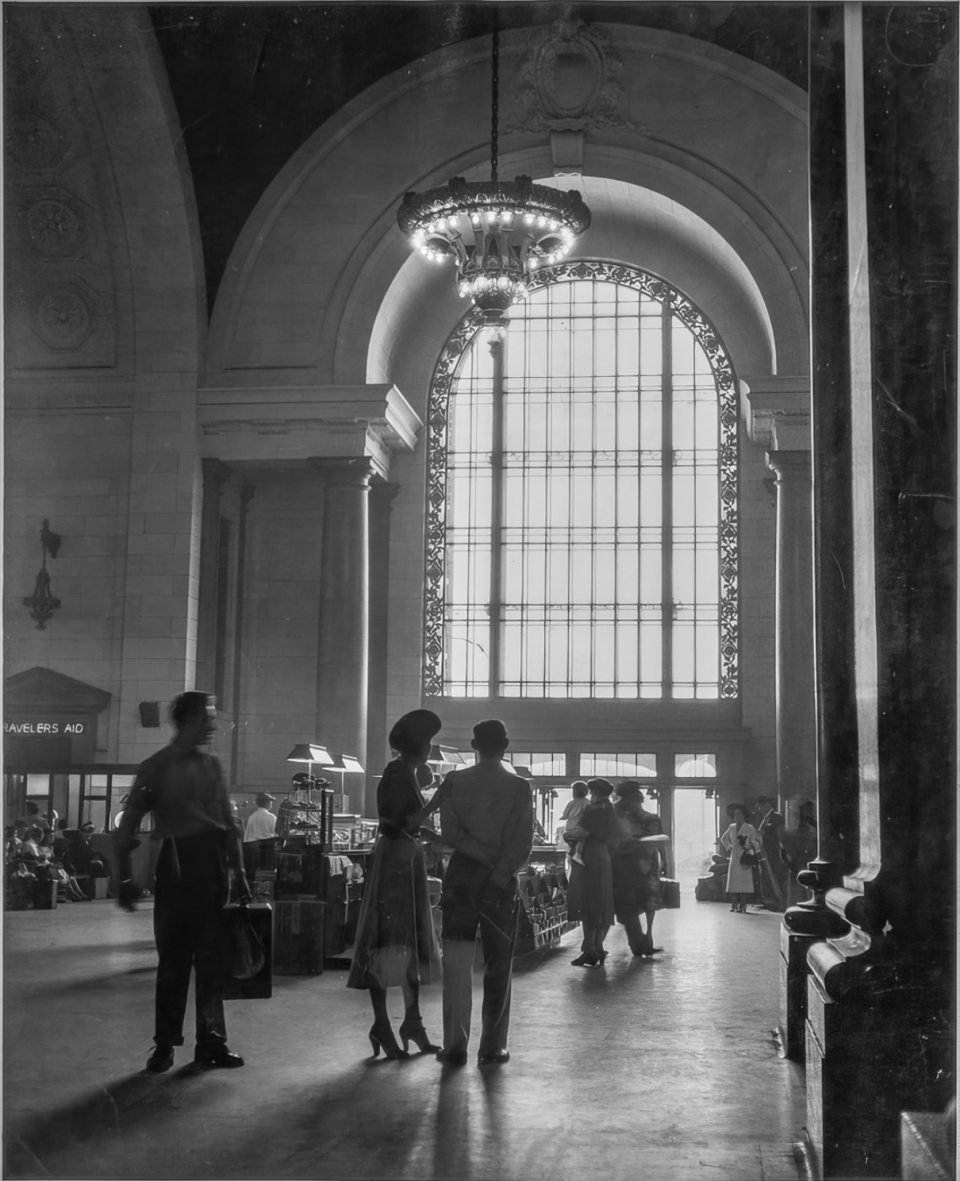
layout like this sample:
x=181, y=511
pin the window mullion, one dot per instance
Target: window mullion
x=666, y=470
x=496, y=517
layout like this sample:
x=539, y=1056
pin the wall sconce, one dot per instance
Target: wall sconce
x=42, y=603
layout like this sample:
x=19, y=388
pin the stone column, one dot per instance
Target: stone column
x=215, y=475
x=382, y=495
x=343, y=649
x=796, y=715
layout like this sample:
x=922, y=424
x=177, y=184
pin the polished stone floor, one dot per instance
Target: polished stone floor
x=664, y=1069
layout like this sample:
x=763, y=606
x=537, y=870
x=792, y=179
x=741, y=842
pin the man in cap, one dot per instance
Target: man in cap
x=185, y=790
x=486, y=815
x=772, y=871
x=260, y=836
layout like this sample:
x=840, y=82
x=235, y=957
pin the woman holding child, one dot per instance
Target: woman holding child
x=590, y=893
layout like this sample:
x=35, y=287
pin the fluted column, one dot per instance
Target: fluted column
x=796, y=714
x=382, y=495
x=215, y=475
x=343, y=649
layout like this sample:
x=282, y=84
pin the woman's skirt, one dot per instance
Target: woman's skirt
x=636, y=886
x=395, y=933
x=590, y=893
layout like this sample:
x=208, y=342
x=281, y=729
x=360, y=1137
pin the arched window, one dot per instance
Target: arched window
x=582, y=498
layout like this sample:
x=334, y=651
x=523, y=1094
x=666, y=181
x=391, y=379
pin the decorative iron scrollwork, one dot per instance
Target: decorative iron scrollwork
x=438, y=408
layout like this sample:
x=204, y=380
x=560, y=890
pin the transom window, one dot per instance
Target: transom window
x=582, y=498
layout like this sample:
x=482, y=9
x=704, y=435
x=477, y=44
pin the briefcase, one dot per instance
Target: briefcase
x=298, y=937
x=669, y=893
x=260, y=986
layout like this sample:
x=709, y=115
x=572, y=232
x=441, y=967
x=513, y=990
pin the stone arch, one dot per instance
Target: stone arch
x=322, y=285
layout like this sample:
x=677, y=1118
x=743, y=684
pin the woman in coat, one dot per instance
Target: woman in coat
x=739, y=839
x=590, y=894
x=396, y=944
x=636, y=867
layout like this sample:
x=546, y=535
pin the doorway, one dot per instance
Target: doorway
x=694, y=830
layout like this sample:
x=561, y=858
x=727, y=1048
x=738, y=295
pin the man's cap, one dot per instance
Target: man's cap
x=766, y=800
x=264, y=798
x=87, y=824
x=489, y=733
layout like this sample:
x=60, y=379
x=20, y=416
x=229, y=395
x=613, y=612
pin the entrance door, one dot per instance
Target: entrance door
x=694, y=830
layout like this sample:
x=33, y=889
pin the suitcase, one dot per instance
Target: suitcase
x=259, y=987
x=298, y=937
x=669, y=893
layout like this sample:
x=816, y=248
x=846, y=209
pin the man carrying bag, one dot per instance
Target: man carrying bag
x=185, y=790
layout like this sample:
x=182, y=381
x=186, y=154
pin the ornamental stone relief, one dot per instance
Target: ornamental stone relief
x=64, y=317
x=569, y=80
x=56, y=226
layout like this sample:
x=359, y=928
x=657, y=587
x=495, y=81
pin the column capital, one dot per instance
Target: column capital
x=344, y=472
x=778, y=411
x=216, y=469
x=789, y=465
x=384, y=492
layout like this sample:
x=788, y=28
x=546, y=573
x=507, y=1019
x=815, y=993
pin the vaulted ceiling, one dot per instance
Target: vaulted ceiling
x=252, y=82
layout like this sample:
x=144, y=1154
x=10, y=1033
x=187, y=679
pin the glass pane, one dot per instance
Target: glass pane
x=695, y=766
x=583, y=509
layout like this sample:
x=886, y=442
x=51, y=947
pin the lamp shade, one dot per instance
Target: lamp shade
x=444, y=754
x=348, y=763
x=309, y=752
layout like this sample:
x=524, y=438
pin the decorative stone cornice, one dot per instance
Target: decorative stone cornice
x=778, y=411
x=297, y=423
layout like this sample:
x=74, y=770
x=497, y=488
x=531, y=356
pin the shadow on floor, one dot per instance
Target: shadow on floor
x=102, y=1112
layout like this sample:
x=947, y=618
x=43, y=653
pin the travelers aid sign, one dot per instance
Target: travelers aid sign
x=38, y=729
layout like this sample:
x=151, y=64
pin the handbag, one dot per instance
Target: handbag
x=669, y=893
x=748, y=859
x=246, y=942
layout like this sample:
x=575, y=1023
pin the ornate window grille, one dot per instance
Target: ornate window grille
x=582, y=498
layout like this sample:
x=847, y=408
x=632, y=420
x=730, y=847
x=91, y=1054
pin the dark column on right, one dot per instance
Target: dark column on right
x=883, y=131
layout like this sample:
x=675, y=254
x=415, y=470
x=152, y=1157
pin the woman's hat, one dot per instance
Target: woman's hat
x=600, y=787
x=264, y=798
x=731, y=808
x=419, y=725
x=630, y=787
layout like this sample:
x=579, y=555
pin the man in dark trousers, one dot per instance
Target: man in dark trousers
x=487, y=817
x=185, y=790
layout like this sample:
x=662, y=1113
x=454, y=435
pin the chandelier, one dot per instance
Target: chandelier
x=496, y=232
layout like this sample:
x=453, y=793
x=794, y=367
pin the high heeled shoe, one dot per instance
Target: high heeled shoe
x=413, y=1031
x=381, y=1038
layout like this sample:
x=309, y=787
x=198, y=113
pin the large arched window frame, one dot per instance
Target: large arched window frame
x=671, y=616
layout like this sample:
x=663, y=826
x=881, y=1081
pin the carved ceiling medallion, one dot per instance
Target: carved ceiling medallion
x=64, y=319
x=56, y=230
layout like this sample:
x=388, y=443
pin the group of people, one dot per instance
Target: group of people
x=43, y=849
x=614, y=868
x=486, y=817
x=764, y=857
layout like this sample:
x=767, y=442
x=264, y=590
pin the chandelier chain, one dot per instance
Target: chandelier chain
x=495, y=101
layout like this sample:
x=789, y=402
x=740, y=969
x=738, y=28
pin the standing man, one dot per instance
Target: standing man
x=185, y=790
x=487, y=817
x=772, y=872
x=259, y=836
